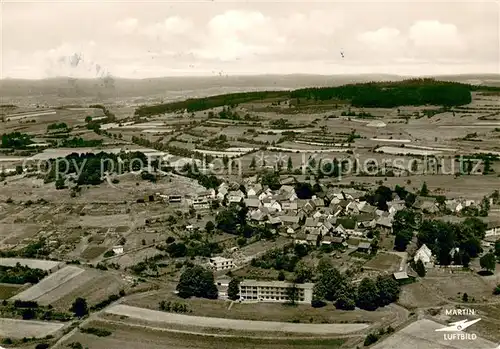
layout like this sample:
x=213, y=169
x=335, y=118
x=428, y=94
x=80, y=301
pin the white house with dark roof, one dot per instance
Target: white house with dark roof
x=424, y=254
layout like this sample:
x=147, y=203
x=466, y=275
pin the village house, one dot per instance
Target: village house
x=424, y=254
x=221, y=263
x=254, y=190
x=364, y=247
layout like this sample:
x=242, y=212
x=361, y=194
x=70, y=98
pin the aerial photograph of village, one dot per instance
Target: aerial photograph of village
x=245, y=174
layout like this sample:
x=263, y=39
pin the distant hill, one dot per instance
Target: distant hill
x=167, y=89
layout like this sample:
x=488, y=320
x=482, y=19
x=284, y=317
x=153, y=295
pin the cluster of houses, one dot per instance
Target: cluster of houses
x=336, y=217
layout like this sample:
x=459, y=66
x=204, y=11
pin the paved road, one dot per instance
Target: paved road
x=232, y=324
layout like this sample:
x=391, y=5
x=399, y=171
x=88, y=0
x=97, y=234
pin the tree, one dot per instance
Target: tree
x=424, y=191
x=303, y=273
x=420, y=268
x=289, y=165
x=497, y=248
x=292, y=294
x=60, y=183
x=79, y=307
x=465, y=298
x=197, y=281
x=281, y=276
x=209, y=227
x=367, y=295
x=488, y=262
x=388, y=290
x=465, y=259
x=233, y=290
x=496, y=291
x=404, y=219
x=253, y=164
x=370, y=339
x=328, y=284
x=345, y=302
x=496, y=197
x=484, y=207
x=402, y=240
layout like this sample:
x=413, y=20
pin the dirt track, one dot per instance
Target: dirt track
x=158, y=316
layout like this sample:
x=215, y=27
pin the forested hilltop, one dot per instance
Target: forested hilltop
x=373, y=94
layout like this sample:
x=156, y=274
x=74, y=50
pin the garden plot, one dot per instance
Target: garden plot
x=12, y=328
x=50, y=283
x=95, y=287
x=30, y=263
x=406, y=151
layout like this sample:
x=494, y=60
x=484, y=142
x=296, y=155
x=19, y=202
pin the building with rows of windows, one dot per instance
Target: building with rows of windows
x=274, y=291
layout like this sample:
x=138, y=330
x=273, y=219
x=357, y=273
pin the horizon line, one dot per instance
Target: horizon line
x=250, y=75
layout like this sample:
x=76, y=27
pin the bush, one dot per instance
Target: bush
x=318, y=303
x=496, y=291
x=99, y=332
x=370, y=339
x=42, y=346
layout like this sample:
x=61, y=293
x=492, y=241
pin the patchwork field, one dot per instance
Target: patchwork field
x=8, y=290
x=50, y=284
x=132, y=337
x=232, y=324
x=385, y=262
x=12, y=328
x=31, y=263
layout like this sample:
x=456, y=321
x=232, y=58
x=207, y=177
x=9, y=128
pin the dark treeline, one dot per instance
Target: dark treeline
x=15, y=140
x=90, y=165
x=393, y=94
x=372, y=94
x=20, y=275
x=197, y=104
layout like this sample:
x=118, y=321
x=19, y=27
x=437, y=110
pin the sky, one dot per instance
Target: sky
x=145, y=39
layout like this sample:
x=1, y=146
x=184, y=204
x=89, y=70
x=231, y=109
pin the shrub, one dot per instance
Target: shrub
x=99, y=332
x=318, y=303
x=370, y=339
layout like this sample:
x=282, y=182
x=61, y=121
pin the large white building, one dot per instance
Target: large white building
x=221, y=263
x=274, y=291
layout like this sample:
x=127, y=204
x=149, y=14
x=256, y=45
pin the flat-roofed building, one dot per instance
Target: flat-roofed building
x=221, y=263
x=274, y=291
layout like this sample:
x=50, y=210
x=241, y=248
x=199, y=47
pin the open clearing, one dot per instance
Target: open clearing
x=158, y=316
x=416, y=295
x=132, y=337
x=49, y=283
x=384, y=262
x=421, y=334
x=30, y=263
x=63, y=287
x=8, y=290
x=12, y=328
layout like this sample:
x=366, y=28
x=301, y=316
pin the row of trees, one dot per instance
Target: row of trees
x=374, y=94
x=20, y=275
x=392, y=94
x=15, y=140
